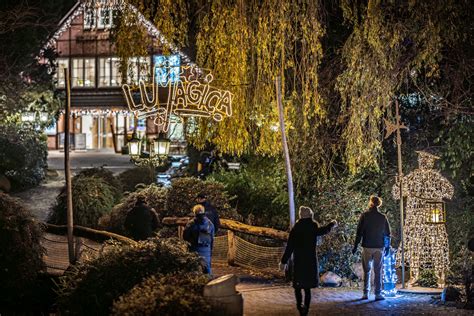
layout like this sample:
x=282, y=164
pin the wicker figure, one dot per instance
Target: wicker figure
x=426, y=243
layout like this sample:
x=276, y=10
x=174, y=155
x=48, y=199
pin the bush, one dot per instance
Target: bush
x=20, y=252
x=427, y=278
x=261, y=193
x=132, y=177
x=23, y=156
x=92, y=286
x=108, y=177
x=183, y=193
x=177, y=294
x=334, y=199
x=92, y=198
x=154, y=196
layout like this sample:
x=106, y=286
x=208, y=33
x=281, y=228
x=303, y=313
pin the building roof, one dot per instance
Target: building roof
x=78, y=9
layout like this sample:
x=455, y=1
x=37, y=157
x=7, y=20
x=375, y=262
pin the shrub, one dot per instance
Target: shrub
x=20, y=252
x=92, y=286
x=108, y=177
x=334, y=199
x=23, y=156
x=132, y=177
x=261, y=193
x=427, y=278
x=92, y=198
x=177, y=294
x=154, y=196
x=183, y=192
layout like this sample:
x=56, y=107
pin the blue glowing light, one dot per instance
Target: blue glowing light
x=389, y=274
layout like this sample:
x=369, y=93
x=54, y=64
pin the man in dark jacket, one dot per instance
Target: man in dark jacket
x=302, y=244
x=142, y=220
x=374, y=230
x=211, y=211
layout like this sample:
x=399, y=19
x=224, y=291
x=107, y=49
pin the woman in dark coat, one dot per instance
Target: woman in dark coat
x=302, y=244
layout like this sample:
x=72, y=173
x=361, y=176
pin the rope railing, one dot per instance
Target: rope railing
x=86, y=241
x=235, y=250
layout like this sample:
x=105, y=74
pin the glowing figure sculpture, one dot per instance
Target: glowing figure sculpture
x=426, y=243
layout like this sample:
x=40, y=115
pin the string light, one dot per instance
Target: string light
x=190, y=95
x=426, y=243
x=389, y=274
x=97, y=112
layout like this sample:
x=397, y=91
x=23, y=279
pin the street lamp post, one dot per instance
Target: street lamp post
x=158, y=152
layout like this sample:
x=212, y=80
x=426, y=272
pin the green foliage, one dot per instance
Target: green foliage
x=108, y=177
x=92, y=198
x=427, y=278
x=177, y=294
x=458, y=146
x=132, y=177
x=91, y=287
x=154, y=196
x=460, y=228
x=260, y=191
x=20, y=252
x=335, y=200
x=183, y=193
x=23, y=155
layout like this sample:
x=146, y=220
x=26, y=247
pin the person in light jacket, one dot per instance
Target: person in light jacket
x=302, y=244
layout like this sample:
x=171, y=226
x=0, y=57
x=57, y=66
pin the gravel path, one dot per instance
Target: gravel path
x=40, y=199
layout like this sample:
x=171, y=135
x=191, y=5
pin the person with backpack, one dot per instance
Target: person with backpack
x=199, y=232
x=210, y=210
x=374, y=231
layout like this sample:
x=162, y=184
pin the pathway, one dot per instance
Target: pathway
x=341, y=301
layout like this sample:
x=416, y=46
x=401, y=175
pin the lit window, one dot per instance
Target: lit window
x=83, y=72
x=138, y=69
x=99, y=16
x=89, y=18
x=105, y=17
x=62, y=63
x=167, y=68
x=109, y=75
x=141, y=124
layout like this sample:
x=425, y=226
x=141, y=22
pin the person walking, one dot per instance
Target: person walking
x=374, y=231
x=211, y=211
x=142, y=220
x=302, y=244
x=199, y=232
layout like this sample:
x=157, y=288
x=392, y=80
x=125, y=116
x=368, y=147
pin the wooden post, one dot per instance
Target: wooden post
x=400, y=181
x=285, y=152
x=180, y=232
x=67, y=171
x=232, y=249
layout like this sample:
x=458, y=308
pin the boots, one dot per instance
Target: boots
x=303, y=310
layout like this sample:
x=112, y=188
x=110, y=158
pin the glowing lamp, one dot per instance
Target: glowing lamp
x=28, y=117
x=161, y=146
x=436, y=213
x=134, y=146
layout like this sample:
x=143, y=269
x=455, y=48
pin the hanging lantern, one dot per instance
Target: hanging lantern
x=436, y=213
x=161, y=146
x=134, y=146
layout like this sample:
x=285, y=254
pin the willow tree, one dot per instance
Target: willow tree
x=337, y=85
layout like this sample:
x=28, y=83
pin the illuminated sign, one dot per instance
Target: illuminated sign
x=189, y=94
